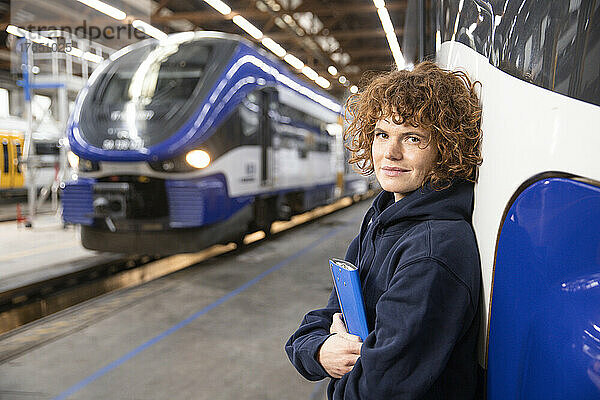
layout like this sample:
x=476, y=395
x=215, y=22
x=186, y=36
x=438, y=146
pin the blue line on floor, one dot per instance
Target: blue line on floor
x=83, y=383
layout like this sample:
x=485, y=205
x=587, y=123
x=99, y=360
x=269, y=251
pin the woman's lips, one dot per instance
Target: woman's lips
x=394, y=171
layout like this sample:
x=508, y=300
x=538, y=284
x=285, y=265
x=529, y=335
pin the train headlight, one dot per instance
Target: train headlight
x=73, y=159
x=198, y=158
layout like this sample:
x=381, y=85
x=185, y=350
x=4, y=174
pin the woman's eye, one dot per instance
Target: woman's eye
x=381, y=135
x=413, y=139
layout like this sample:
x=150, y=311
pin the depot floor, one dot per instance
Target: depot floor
x=213, y=331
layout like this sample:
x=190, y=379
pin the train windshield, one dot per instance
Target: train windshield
x=146, y=95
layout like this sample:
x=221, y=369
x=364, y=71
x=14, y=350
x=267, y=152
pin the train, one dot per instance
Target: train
x=198, y=139
x=537, y=202
x=46, y=142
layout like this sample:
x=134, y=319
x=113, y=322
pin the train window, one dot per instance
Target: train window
x=46, y=148
x=5, y=155
x=554, y=45
x=155, y=89
x=250, y=118
x=4, y=103
x=169, y=76
x=551, y=44
x=469, y=22
x=227, y=137
x=299, y=117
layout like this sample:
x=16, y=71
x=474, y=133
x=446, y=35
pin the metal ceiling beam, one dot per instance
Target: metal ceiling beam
x=161, y=5
x=341, y=34
x=358, y=53
x=252, y=13
x=348, y=8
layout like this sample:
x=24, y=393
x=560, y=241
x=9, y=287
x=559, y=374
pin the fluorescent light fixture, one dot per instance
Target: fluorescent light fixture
x=149, y=29
x=353, y=89
x=388, y=28
x=75, y=52
x=248, y=27
x=293, y=61
x=273, y=46
x=396, y=52
x=324, y=83
x=386, y=22
x=34, y=37
x=309, y=72
x=342, y=79
x=15, y=30
x=332, y=70
x=219, y=6
x=104, y=8
x=93, y=57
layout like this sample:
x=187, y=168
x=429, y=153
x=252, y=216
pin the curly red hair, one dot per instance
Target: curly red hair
x=440, y=101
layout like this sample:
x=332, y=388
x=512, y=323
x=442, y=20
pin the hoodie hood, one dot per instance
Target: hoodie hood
x=453, y=203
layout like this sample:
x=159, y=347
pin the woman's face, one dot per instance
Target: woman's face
x=402, y=157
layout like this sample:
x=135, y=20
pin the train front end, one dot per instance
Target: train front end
x=143, y=183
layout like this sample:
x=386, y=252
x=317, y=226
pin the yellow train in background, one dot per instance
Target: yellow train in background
x=11, y=172
x=13, y=175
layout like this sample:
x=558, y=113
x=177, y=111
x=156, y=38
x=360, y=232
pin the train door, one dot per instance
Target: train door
x=11, y=174
x=18, y=178
x=265, y=138
x=5, y=170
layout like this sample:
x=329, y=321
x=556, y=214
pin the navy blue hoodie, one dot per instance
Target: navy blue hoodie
x=420, y=277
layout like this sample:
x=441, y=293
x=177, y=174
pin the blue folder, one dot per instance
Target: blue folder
x=347, y=285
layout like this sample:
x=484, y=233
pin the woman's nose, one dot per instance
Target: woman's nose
x=393, y=151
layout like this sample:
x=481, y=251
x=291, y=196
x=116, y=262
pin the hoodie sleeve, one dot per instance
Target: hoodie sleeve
x=421, y=316
x=303, y=346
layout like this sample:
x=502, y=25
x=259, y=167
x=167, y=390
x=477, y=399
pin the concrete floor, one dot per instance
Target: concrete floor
x=26, y=250
x=212, y=331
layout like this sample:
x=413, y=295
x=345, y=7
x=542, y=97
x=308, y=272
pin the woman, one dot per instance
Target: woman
x=419, y=131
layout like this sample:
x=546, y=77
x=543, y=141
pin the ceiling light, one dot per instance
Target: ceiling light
x=309, y=72
x=396, y=52
x=149, y=29
x=293, y=61
x=93, y=57
x=388, y=27
x=273, y=46
x=324, y=83
x=353, y=89
x=379, y=3
x=219, y=6
x=386, y=22
x=75, y=52
x=332, y=70
x=342, y=79
x=104, y=8
x=15, y=30
x=248, y=27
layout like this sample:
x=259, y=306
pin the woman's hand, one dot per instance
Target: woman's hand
x=338, y=325
x=339, y=352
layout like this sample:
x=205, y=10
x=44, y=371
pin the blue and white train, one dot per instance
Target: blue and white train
x=195, y=140
x=537, y=203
